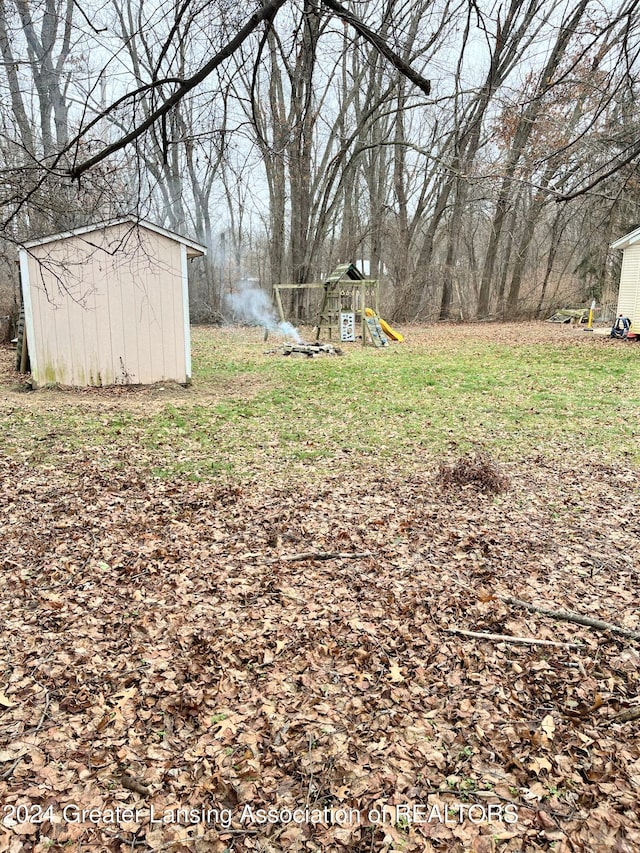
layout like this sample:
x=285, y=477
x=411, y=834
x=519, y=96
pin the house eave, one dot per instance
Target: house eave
x=628, y=240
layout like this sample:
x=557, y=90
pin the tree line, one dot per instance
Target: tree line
x=480, y=156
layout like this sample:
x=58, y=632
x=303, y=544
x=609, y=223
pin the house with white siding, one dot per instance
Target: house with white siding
x=629, y=293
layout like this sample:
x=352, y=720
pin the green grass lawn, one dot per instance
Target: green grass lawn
x=541, y=390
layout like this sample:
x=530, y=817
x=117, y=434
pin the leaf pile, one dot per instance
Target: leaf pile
x=477, y=470
x=168, y=645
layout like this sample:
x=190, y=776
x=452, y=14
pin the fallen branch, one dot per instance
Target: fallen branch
x=627, y=716
x=507, y=638
x=569, y=616
x=307, y=555
x=324, y=555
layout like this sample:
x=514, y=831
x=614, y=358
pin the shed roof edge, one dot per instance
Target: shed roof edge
x=101, y=226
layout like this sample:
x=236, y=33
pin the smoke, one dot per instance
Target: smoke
x=252, y=305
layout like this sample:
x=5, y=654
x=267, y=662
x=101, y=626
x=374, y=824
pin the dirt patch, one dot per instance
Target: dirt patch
x=15, y=388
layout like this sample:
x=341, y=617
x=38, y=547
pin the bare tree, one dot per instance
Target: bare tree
x=316, y=121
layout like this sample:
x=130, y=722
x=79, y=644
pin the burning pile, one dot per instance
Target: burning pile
x=252, y=305
x=309, y=350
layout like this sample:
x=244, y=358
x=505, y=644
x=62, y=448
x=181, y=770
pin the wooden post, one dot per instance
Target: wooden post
x=23, y=354
x=276, y=290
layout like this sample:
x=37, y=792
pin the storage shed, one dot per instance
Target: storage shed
x=108, y=304
x=629, y=293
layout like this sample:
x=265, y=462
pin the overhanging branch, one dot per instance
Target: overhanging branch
x=267, y=11
x=380, y=45
x=617, y=166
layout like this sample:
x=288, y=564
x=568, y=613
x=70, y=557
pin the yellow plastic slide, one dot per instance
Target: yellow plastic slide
x=386, y=328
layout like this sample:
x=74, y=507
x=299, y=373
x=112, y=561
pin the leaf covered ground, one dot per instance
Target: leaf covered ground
x=180, y=652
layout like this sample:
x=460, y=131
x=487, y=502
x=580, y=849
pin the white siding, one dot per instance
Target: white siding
x=629, y=293
x=107, y=308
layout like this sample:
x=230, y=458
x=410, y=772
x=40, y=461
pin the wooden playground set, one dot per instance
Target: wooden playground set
x=349, y=302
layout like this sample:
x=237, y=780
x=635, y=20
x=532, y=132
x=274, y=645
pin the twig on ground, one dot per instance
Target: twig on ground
x=8, y=773
x=324, y=555
x=569, y=616
x=44, y=713
x=132, y=842
x=627, y=716
x=310, y=785
x=308, y=555
x=507, y=638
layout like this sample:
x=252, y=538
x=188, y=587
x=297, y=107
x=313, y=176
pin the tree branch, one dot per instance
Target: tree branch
x=267, y=11
x=380, y=45
x=508, y=638
x=620, y=164
x=627, y=716
x=569, y=616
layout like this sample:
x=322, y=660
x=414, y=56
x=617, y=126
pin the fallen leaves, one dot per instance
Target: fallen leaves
x=4, y=702
x=173, y=646
x=548, y=726
x=185, y=663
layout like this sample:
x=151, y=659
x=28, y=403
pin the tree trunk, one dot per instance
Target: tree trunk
x=521, y=137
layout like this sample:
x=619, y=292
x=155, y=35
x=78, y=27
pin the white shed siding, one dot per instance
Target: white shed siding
x=629, y=293
x=28, y=307
x=107, y=308
x=185, y=310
